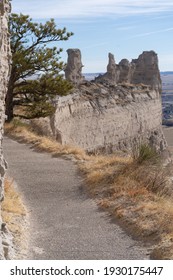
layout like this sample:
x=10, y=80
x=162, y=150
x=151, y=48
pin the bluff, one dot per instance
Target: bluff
x=116, y=111
x=5, y=57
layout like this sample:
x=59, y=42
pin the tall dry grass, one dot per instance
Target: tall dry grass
x=14, y=215
x=137, y=191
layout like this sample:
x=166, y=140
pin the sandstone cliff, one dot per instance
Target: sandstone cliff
x=118, y=110
x=109, y=118
x=4, y=72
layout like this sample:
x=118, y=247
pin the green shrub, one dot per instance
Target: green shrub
x=146, y=153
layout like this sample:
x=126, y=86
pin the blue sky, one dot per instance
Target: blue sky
x=125, y=28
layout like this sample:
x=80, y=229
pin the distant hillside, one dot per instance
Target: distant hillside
x=91, y=76
x=167, y=97
x=166, y=73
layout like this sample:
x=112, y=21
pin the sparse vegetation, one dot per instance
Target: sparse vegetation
x=14, y=215
x=137, y=191
x=145, y=153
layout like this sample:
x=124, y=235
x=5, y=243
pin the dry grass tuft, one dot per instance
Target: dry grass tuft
x=12, y=202
x=23, y=132
x=14, y=215
x=136, y=191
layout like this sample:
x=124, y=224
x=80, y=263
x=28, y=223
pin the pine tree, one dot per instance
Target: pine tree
x=36, y=77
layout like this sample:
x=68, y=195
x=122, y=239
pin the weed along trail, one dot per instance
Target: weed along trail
x=64, y=222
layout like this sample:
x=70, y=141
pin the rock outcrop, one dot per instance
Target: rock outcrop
x=109, y=118
x=143, y=70
x=146, y=70
x=125, y=72
x=111, y=76
x=73, y=71
x=5, y=56
x=116, y=111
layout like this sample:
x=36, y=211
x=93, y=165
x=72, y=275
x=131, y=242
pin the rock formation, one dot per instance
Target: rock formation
x=143, y=70
x=124, y=68
x=73, y=71
x=4, y=72
x=109, y=118
x=118, y=110
x=146, y=70
x=111, y=76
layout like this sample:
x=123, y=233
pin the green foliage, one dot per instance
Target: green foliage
x=31, y=57
x=37, y=96
x=146, y=153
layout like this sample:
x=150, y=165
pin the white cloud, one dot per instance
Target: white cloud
x=89, y=8
x=153, y=32
x=125, y=28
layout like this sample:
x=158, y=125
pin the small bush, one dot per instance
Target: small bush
x=146, y=153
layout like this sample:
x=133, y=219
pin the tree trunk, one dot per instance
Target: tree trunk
x=9, y=103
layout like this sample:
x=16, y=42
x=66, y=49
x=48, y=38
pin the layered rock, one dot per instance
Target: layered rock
x=110, y=118
x=5, y=56
x=117, y=111
x=143, y=70
x=73, y=71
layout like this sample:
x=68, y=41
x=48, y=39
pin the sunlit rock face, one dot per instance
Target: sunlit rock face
x=116, y=111
x=146, y=70
x=109, y=118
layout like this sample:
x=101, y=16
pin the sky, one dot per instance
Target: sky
x=124, y=28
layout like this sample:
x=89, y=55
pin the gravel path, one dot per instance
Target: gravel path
x=64, y=222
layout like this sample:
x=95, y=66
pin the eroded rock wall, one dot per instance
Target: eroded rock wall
x=143, y=70
x=116, y=111
x=4, y=73
x=109, y=118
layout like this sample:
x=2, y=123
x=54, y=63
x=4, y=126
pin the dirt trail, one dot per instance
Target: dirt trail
x=64, y=222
